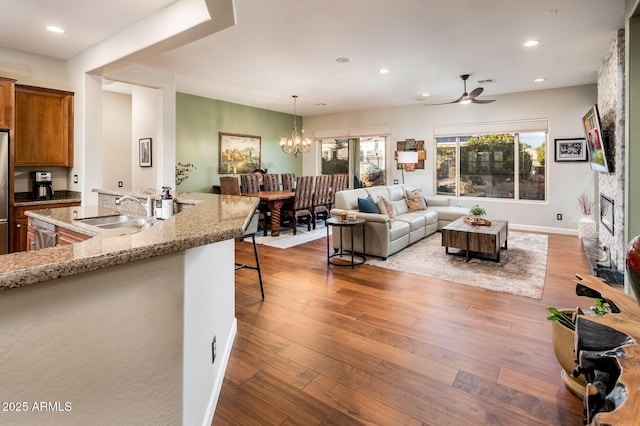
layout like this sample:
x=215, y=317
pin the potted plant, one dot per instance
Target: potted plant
x=477, y=211
x=563, y=326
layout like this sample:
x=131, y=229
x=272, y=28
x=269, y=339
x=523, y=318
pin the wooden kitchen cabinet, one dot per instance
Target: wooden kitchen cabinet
x=67, y=236
x=19, y=224
x=43, y=127
x=6, y=102
x=31, y=239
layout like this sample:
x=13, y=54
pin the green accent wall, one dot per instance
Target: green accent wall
x=198, y=121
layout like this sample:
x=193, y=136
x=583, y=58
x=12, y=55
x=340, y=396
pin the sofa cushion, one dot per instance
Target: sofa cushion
x=385, y=207
x=398, y=229
x=449, y=213
x=415, y=201
x=437, y=201
x=400, y=207
x=378, y=191
x=367, y=205
x=415, y=220
x=396, y=192
x=348, y=200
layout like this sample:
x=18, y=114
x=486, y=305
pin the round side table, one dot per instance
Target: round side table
x=337, y=258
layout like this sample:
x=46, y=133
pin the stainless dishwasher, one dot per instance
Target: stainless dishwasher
x=44, y=234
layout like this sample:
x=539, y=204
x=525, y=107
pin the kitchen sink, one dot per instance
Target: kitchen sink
x=119, y=221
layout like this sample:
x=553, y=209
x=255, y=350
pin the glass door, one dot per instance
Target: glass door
x=363, y=159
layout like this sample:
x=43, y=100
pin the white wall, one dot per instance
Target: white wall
x=562, y=107
x=146, y=103
x=116, y=139
x=33, y=70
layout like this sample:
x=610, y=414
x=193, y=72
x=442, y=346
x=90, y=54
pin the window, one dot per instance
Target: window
x=363, y=158
x=487, y=165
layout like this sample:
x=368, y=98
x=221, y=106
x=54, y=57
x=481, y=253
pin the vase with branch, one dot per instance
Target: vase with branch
x=586, y=224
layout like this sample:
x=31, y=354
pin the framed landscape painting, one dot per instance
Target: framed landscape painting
x=238, y=153
x=571, y=149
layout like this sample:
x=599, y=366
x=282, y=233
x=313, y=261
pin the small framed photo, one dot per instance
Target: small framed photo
x=570, y=149
x=145, y=152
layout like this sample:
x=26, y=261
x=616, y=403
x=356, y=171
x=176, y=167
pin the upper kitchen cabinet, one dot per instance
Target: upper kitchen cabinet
x=6, y=102
x=44, y=127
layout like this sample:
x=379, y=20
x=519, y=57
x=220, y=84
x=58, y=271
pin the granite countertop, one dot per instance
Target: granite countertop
x=212, y=218
x=22, y=199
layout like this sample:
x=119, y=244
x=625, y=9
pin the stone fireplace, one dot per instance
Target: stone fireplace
x=610, y=187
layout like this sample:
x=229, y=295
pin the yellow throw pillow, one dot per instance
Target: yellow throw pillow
x=415, y=201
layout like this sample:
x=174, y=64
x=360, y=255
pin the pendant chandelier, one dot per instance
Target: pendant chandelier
x=295, y=145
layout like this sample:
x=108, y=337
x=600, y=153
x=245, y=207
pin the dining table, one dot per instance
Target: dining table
x=275, y=200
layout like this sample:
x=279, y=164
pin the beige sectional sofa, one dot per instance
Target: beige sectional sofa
x=384, y=235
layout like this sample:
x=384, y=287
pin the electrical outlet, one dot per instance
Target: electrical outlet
x=119, y=184
x=395, y=181
x=559, y=216
x=213, y=349
x=117, y=201
x=75, y=178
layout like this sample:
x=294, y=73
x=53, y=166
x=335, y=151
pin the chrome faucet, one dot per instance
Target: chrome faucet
x=148, y=206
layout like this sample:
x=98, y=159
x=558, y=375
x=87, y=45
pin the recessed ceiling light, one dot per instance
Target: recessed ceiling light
x=424, y=95
x=343, y=60
x=55, y=29
x=383, y=71
x=532, y=43
x=538, y=80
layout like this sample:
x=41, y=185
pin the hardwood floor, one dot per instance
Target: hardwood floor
x=332, y=345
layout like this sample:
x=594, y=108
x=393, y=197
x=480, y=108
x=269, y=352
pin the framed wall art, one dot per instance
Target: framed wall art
x=238, y=153
x=570, y=149
x=145, y=152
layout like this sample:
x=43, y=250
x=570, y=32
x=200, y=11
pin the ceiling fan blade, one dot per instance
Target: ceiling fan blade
x=475, y=93
x=482, y=101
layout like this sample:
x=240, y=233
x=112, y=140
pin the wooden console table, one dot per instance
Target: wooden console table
x=608, y=349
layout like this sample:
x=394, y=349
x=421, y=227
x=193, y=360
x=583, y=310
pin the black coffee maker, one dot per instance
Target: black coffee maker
x=41, y=185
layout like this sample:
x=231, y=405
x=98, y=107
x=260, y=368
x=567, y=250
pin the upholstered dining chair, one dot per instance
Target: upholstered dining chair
x=338, y=183
x=249, y=183
x=229, y=185
x=287, y=181
x=270, y=181
x=321, y=199
x=301, y=209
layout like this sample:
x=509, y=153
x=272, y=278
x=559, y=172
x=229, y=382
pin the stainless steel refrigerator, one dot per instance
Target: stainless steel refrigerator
x=4, y=191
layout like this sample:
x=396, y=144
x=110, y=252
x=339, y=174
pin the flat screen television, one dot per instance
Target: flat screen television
x=595, y=144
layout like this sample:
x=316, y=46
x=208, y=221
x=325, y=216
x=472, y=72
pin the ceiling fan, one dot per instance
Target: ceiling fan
x=468, y=98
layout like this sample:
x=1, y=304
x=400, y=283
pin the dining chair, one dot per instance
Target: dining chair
x=338, y=183
x=249, y=183
x=271, y=182
x=301, y=209
x=229, y=185
x=251, y=230
x=321, y=199
x=287, y=181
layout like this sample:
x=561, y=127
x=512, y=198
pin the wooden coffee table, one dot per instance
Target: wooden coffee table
x=483, y=242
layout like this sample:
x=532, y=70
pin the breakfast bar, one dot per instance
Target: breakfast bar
x=128, y=326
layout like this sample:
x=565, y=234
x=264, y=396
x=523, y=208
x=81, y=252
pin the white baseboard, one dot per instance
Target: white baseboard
x=547, y=229
x=217, y=384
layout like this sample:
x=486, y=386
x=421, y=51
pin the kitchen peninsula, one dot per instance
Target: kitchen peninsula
x=128, y=328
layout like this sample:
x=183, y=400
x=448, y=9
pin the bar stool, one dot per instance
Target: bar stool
x=251, y=230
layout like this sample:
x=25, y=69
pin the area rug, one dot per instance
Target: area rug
x=286, y=238
x=521, y=271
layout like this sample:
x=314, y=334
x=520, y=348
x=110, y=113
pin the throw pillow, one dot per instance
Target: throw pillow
x=415, y=201
x=390, y=210
x=367, y=205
